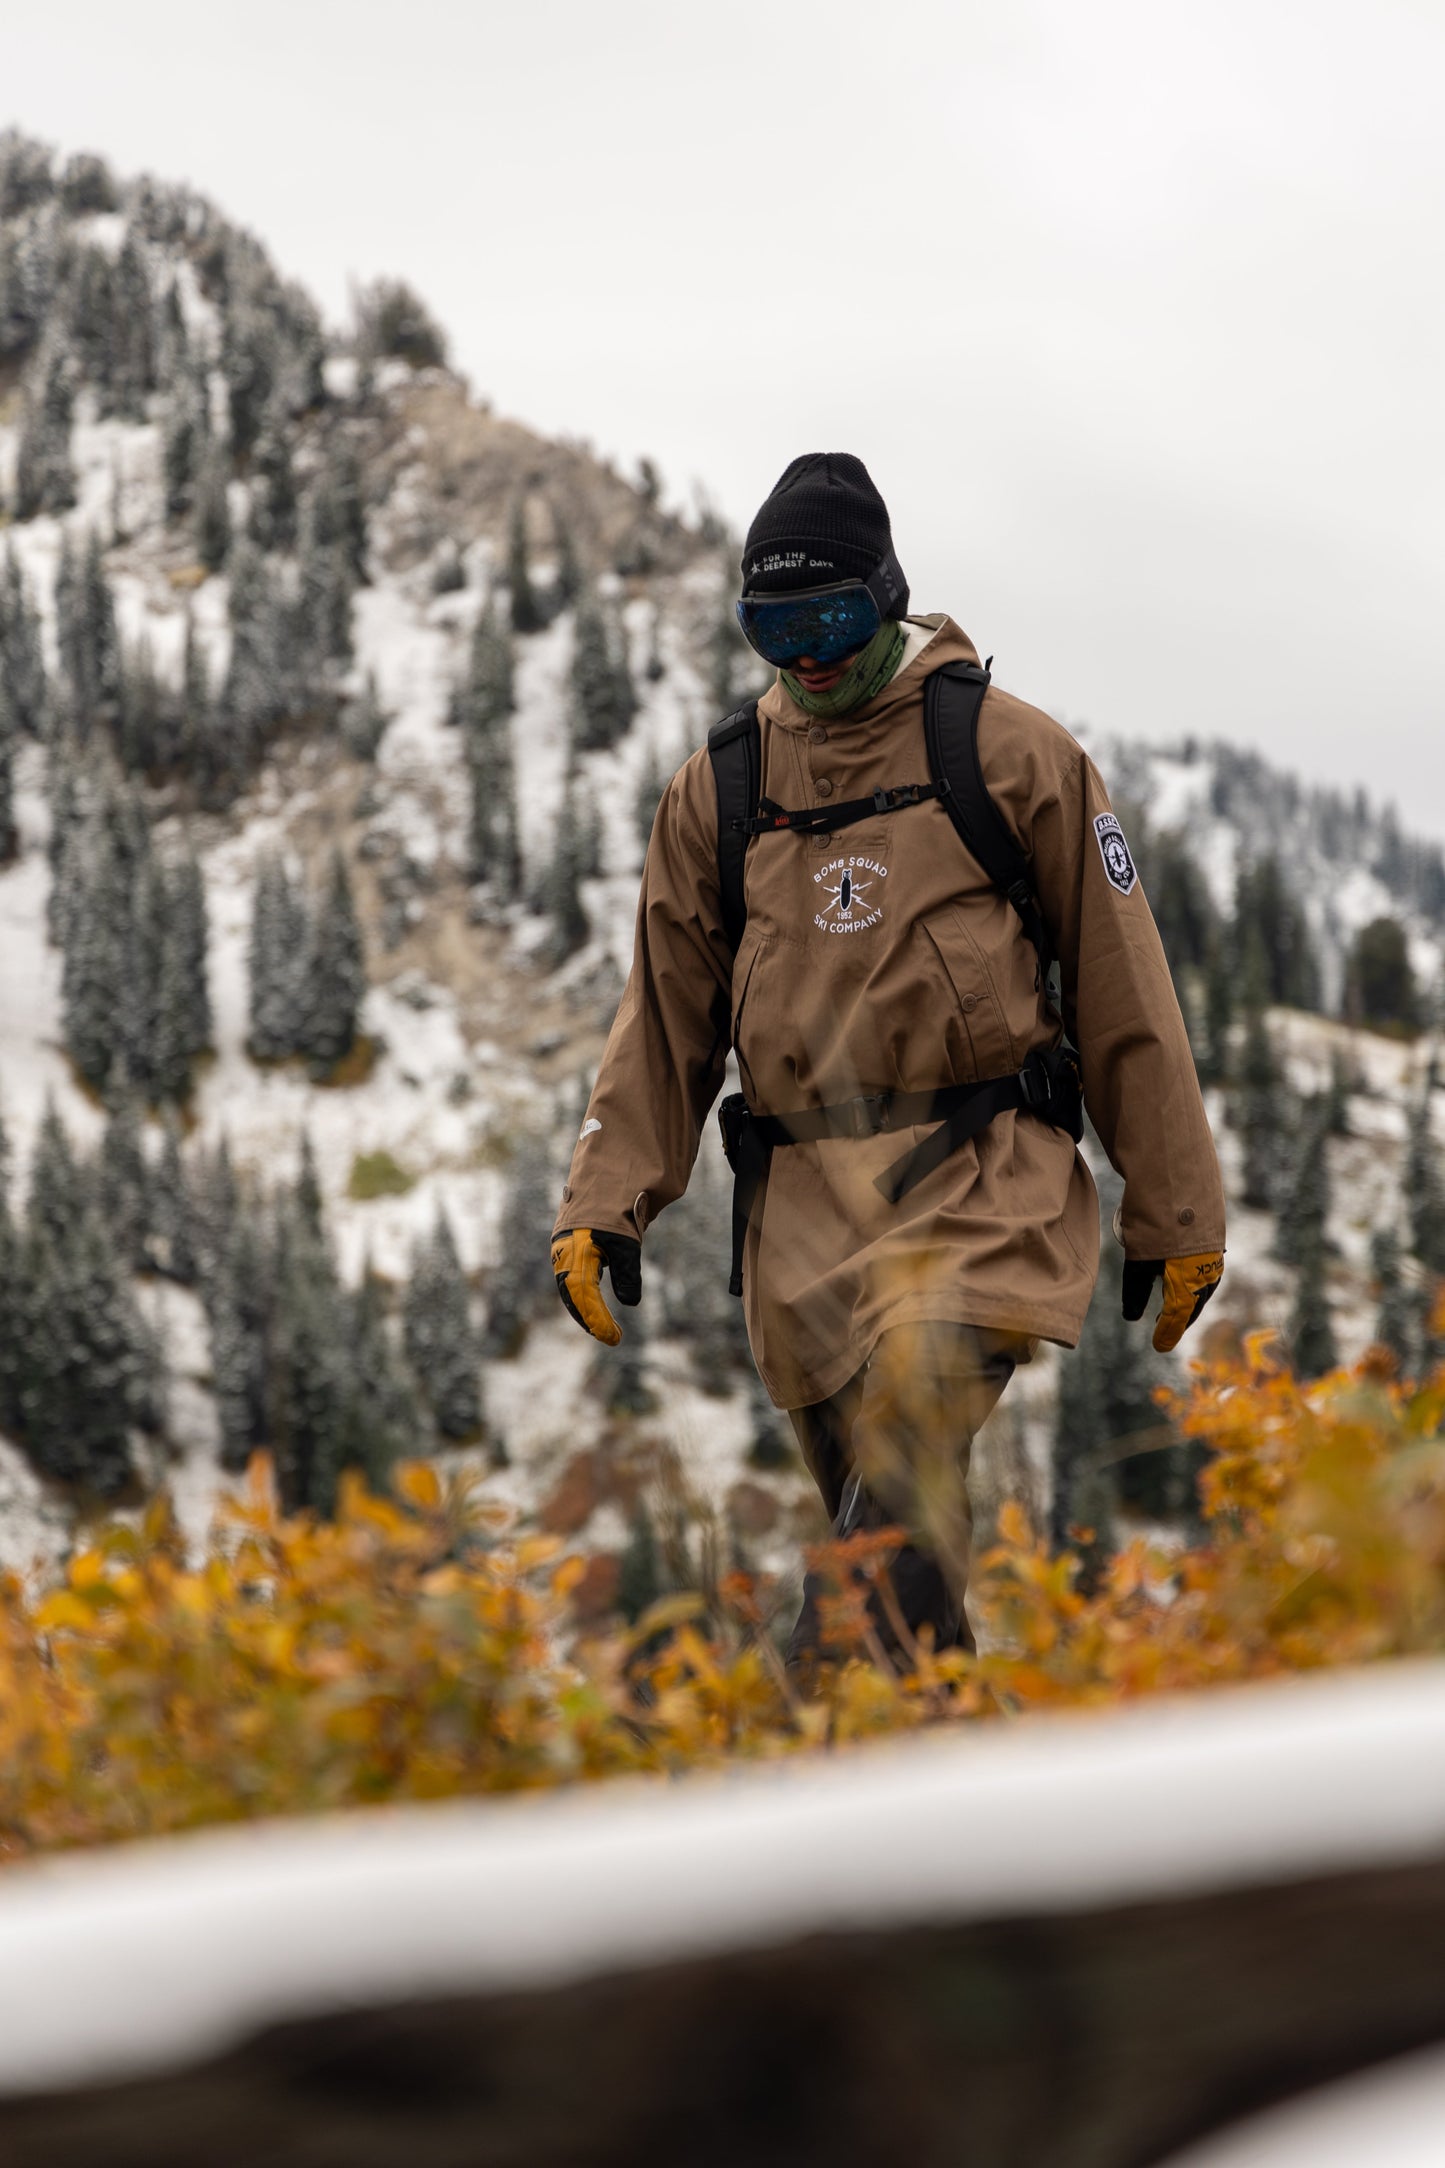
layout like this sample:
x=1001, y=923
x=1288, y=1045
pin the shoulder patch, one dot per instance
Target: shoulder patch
x=1118, y=863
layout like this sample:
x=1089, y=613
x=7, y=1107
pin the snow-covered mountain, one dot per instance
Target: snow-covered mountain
x=164, y=393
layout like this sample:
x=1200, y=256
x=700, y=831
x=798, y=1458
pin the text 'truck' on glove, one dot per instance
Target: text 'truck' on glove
x=1188, y=1284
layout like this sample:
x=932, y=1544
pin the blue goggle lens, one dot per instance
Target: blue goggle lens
x=824, y=626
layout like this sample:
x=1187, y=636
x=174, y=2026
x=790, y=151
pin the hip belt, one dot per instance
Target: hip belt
x=1048, y=1086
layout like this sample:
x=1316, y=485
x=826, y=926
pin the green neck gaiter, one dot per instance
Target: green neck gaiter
x=866, y=675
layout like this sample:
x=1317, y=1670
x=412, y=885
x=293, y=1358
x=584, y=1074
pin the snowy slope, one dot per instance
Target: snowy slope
x=479, y=1044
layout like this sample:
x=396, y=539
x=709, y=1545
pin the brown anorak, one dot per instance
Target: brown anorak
x=881, y=957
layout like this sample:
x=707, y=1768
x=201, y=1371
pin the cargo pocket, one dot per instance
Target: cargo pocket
x=976, y=1032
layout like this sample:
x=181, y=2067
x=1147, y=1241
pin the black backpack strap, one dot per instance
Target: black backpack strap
x=735, y=749
x=952, y=699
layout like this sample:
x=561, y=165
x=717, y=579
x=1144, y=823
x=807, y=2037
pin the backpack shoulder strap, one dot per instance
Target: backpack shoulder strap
x=952, y=699
x=735, y=749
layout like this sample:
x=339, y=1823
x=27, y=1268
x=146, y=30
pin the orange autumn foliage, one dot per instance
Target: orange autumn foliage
x=416, y=1649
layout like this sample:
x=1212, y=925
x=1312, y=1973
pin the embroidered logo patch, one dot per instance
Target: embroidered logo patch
x=591, y=1127
x=1115, y=853
x=849, y=901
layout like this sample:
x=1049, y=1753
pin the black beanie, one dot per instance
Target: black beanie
x=823, y=522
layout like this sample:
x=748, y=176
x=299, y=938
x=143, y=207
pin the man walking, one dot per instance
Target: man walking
x=861, y=888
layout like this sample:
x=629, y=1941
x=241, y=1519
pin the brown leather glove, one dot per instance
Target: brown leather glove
x=578, y=1255
x=1188, y=1284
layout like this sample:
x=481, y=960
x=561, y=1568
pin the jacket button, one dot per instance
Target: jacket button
x=970, y=1001
x=817, y=735
x=1186, y=1217
x=825, y=788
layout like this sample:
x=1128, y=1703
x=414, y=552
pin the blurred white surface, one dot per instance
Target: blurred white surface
x=151, y=1955
x=1393, y=2117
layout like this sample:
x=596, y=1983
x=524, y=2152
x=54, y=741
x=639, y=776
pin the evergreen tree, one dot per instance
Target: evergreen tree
x=44, y=476
x=173, y=1242
x=280, y=941
x=134, y=1020
x=328, y=584
x=441, y=1342
x=1337, y=1096
x=86, y=184
x=172, y=339
x=9, y=829
x=88, y=1366
x=336, y=510
x=603, y=698
x=524, y=1280
x=1380, y=989
x=621, y=1372
x=58, y=1189
x=185, y=438
x=640, y=1576
x=237, y=1289
x=1424, y=1184
x=364, y=722
x=98, y=1000
x=1267, y=912
x=307, y=1384
x=1395, y=1318
x=527, y=615
x=183, y=1022
x=273, y=522
x=1311, y=1335
x=1304, y=1208
x=63, y=792
x=562, y=887
x=88, y=314
x=382, y=1422
x=12, y=1313
x=488, y=697
x=1260, y=1112
x=22, y=658
x=1214, y=1065
x=123, y=1182
x=255, y=695
x=655, y=669
x=216, y=1201
x=85, y=1367
x=483, y=707
x=87, y=637
x=335, y=982
x=250, y=362
x=147, y=735
x=1105, y=1404
x=27, y=176
x=195, y=748
x=392, y=323
x=213, y=511
x=567, y=582
x=131, y=359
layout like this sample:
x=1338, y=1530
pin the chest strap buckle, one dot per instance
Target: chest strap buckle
x=870, y=1114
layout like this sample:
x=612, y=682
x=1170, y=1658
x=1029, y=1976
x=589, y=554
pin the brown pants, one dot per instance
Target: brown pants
x=906, y=1423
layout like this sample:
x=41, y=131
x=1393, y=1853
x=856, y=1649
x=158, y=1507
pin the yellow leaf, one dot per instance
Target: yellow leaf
x=418, y=1482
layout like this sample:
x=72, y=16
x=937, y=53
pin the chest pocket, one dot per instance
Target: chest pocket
x=979, y=1042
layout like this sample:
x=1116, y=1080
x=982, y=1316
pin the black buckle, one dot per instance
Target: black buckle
x=869, y=1114
x=1036, y=1086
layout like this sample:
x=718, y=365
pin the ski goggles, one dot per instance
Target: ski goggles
x=825, y=626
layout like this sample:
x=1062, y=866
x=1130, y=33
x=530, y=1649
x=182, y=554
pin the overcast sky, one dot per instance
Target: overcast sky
x=1136, y=312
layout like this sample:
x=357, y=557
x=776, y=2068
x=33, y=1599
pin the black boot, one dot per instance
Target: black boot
x=921, y=1593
